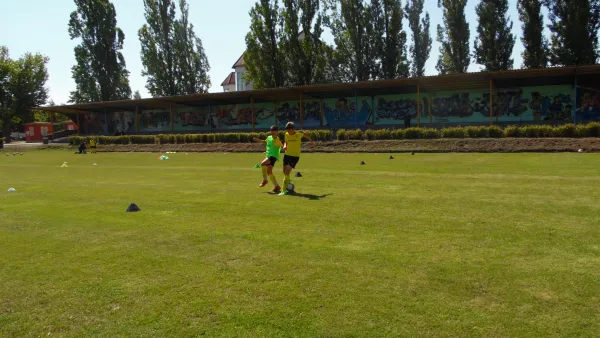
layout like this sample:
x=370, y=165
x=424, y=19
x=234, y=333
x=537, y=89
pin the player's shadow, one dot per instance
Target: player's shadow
x=309, y=196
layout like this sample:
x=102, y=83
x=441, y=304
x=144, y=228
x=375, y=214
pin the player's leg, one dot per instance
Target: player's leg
x=276, y=187
x=263, y=166
x=290, y=164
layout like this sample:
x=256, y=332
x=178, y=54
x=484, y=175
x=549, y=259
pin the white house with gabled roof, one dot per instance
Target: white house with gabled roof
x=235, y=80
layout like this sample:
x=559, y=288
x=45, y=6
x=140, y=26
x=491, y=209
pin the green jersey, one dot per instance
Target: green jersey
x=273, y=147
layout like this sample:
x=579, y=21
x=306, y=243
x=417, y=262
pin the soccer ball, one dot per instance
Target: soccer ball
x=290, y=187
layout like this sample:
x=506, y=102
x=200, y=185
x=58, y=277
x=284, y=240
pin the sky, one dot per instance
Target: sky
x=41, y=26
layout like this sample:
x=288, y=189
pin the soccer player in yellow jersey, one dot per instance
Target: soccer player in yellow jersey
x=273, y=148
x=292, y=147
x=93, y=145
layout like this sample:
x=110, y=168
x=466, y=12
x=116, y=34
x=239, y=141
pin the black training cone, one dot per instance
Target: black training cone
x=412, y=152
x=391, y=157
x=362, y=162
x=298, y=174
x=133, y=208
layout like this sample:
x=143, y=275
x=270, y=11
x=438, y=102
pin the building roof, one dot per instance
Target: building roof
x=230, y=80
x=239, y=62
x=427, y=84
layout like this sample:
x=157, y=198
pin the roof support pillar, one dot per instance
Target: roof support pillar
x=78, y=125
x=430, y=114
x=105, y=122
x=253, y=114
x=418, y=106
x=373, y=109
x=210, y=120
x=491, y=102
x=301, y=112
x=137, y=119
x=321, y=117
x=275, y=107
x=355, y=111
x=172, y=118
x=574, y=109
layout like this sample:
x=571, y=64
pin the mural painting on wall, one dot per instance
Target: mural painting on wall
x=190, y=119
x=290, y=112
x=393, y=110
x=121, y=123
x=265, y=115
x=155, y=121
x=92, y=124
x=342, y=112
x=230, y=116
x=588, y=105
x=551, y=103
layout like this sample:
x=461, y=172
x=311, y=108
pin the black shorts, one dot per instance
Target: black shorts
x=290, y=160
x=273, y=160
x=93, y=147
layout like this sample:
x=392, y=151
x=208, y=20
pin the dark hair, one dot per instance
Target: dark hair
x=274, y=128
x=289, y=125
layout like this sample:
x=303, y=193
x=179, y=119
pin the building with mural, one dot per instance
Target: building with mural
x=534, y=96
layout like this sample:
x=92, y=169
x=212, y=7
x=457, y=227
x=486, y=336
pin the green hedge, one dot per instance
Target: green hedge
x=528, y=131
x=317, y=135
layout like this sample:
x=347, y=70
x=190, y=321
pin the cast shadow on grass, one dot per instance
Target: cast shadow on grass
x=308, y=196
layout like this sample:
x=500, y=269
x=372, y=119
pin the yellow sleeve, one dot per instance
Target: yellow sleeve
x=278, y=142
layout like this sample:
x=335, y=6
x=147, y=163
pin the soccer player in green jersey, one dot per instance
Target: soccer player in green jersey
x=273, y=145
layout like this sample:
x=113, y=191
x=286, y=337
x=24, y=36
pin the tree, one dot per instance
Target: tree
x=158, y=50
x=192, y=63
x=574, y=25
x=303, y=51
x=172, y=56
x=349, y=21
x=421, y=46
x=264, y=57
x=494, y=43
x=100, y=73
x=535, y=53
x=136, y=95
x=22, y=87
x=388, y=39
x=453, y=38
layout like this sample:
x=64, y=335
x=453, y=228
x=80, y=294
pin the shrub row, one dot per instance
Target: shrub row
x=317, y=135
x=530, y=131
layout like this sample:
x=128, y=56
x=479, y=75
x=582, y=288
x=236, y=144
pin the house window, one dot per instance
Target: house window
x=239, y=81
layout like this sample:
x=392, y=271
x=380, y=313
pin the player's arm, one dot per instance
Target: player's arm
x=259, y=140
x=278, y=142
x=305, y=135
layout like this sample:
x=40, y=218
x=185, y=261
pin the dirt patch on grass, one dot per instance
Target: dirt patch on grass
x=505, y=145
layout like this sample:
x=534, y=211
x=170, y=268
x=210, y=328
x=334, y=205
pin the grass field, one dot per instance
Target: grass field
x=483, y=245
